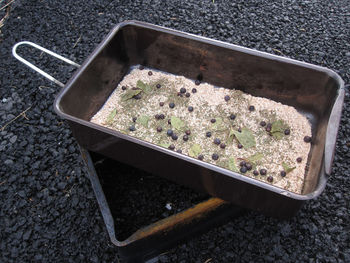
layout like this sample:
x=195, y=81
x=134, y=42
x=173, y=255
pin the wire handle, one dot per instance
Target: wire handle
x=26, y=62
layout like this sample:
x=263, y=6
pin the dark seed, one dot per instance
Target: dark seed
x=179, y=94
x=174, y=137
x=249, y=166
x=232, y=116
x=243, y=169
x=169, y=132
x=185, y=138
x=227, y=98
x=262, y=123
x=197, y=82
x=215, y=156
x=208, y=134
x=188, y=95
x=134, y=119
x=137, y=97
x=200, y=157
x=213, y=120
x=141, y=67
x=299, y=159
x=172, y=147
x=159, y=129
x=132, y=128
x=242, y=163
x=171, y=105
x=158, y=86
x=169, y=121
x=123, y=88
x=134, y=88
x=255, y=172
x=283, y=173
x=240, y=146
x=222, y=146
x=161, y=116
x=270, y=179
x=194, y=90
x=188, y=132
x=268, y=127
x=251, y=108
x=179, y=151
x=190, y=108
x=183, y=90
x=307, y=139
x=263, y=171
x=150, y=73
x=239, y=130
x=161, y=104
x=157, y=116
x=217, y=141
x=286, y=132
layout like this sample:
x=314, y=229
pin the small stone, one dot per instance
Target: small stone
x=150, y=73
x=13, y=139
x=232, y=116
x=299, y=159
x=200, y=157
x=188, y=132
x=174, y=137
x=286, y=131
x=283, y=173
x=171, y=105
x=161, y=104
x=171, y=147
x=255, y=172
x=123, y=87
x=227, y=98
x=307, y=139
x=182, y=90
x=240, y=146
x=194, y=90
x=197, y=82
x=159, y=129
x=251, y=108
x=217, y=141
x=270, y=179
x=208, y=134
x=185, y=138
x=188, y=95
x=132, y=128
x=215, y=156
x=222, y=146
x=243, y=169
x=263, y=171
x=262, y=123
x=190, y=108
x=213, y=120
x=158, y=86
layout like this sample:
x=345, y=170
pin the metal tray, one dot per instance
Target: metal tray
x=315, y=91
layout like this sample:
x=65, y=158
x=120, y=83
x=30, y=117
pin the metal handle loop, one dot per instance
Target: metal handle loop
x=14, y=53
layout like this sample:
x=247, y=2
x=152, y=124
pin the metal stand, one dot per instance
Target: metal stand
x=152, y=240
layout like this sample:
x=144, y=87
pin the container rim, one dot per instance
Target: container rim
x=322, y=178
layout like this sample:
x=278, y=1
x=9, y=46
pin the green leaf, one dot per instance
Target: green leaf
x=230, y=136
x=277, y=129
x=111, y=116
x=286, y=168
x=143, y=86
x=255, y=158
x=143, y=120
x=194, y=151
x=165, y=145
x=218, y=125
x=246, y=138
x=232, y=165
x=177, y=123
x=130, y=93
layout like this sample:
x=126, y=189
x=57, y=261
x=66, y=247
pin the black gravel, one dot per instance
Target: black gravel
x=48, y=209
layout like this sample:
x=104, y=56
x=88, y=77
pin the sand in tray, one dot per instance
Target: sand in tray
x=274, y=153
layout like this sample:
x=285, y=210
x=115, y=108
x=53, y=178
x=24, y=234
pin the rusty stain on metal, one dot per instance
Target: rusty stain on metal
x=186, y=216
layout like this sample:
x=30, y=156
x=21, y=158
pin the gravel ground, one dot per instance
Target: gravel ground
x=48, y=210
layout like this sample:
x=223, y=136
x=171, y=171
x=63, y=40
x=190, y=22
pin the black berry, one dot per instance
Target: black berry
x=251, y=108
x=270, y=179
x=213, y=120
x=299, y=159
x=171, y=146
x=227, y=98
x=161, y=104
x=263, y=171
x=200, y=157
x=232, y=116
x=123, y=88
x=150, y=73
x=242, y=163
x=217, y=141
x=169, y=132
x=185, y=138
x=179, y=151
x=249, y=166
x=286, y=131
x=307, y=139
x=240, y=146
x=283, y=173
x=169, y=121
x=197, y=82
x=215, y=156
x=132, y=128
x=243, y=169
x=190, y=108
x=171, y=105
x=208, y=134
x=187, y=94
x=137, y=97
x=222, y=146
x=182, y=90
x=268, y=127
x=141, y=67
x=158, y=86
x=255, y=172
x=262, y=123
x=174, y=137
x=194, y=90
x=134, y=119
x=159, y=129
x=188, y=132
